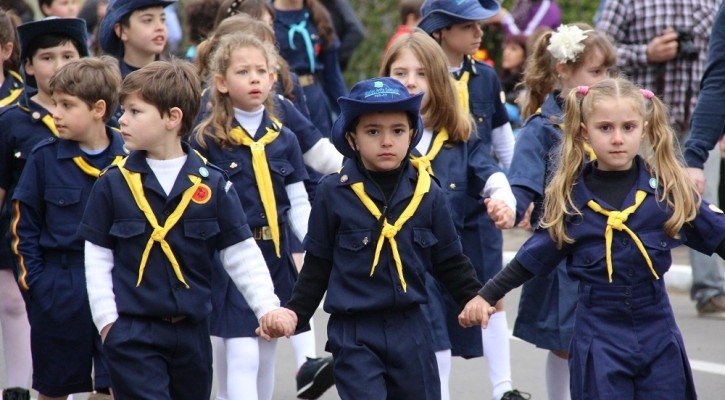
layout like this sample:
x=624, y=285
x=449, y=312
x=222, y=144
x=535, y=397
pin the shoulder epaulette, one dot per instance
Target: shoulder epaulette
x=219, y=169
x=44, y=142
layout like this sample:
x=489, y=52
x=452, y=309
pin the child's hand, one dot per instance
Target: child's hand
x=501, y=214
x=277, y=323
x=476, y=312
x=104, y=332
x=526, y=220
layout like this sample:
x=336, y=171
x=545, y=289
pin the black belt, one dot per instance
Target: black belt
x=172, y=319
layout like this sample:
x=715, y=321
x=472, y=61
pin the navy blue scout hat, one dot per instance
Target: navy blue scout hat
x=439, y=14
x=117, y=9
x=74, y=28
x=374, y=96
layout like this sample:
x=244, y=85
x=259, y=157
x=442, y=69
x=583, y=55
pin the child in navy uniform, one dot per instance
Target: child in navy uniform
x=456, y=26
x=48, y=204
x=153, y=227
x=376, y=227
x=616, y=220
x=11, y=83
x=45, y=46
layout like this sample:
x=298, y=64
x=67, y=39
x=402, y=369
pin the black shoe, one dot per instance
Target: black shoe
x=515, y=395
x=314, y=378
x=16, y=393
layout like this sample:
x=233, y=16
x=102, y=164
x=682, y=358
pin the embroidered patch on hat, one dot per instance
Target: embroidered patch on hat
x=202, y=194
x=382, y=90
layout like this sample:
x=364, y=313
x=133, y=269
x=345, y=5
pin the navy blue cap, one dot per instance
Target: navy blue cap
x=439, y=14
x=117, y=9
x=374, y=96
x=73, y=28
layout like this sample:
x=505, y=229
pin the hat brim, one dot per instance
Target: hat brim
x=110, y=43
x=352, y=109
x=439, y=18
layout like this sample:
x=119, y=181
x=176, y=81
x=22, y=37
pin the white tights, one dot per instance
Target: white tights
x=16, y=332
x=244, y=368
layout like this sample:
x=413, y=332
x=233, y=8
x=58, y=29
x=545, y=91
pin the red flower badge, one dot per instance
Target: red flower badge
x=202, y=194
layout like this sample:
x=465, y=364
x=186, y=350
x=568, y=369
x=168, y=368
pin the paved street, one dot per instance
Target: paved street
x=469, y=380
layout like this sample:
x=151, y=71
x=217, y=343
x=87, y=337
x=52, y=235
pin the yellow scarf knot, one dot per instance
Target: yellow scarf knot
x=616, y=220
x=389, y=231
x=426, y=160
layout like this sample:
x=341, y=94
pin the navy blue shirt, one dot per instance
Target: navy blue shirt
x=52, y=194
x=585, y=257
x=285, y=164
x=11, y=88
x=344, y=232
x=484, y=98
x=531, y=165
x=301, y=46
x=112, y=220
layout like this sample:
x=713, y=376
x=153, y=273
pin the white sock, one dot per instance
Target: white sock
x=557, y=377
x=15, y=332
x=265, y=377
x=237, y=365
x=444, y=371
x=304, y=345
x=496, y=350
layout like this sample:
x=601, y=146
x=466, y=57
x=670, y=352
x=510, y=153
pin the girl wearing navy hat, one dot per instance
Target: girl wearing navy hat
x=307, y=41
x=264, y=161
x=376, y=227
x=573, y=55
x=615, y=221
x=462, y=167
x=455, y=25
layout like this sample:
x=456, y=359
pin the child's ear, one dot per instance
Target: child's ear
x=99, y=109
x=174, y=118
x=585, y=133
x=118, y=29
x=562, y=70
x=7, y=50
x=221, y=84
x=29, y=68
x=351, y=140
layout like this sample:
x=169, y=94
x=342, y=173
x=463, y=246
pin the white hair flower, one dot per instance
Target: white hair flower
x=566, y=43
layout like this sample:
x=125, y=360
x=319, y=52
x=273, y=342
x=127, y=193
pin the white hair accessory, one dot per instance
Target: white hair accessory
x=566, y=43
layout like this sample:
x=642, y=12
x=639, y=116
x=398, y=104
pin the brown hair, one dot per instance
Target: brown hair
x=540, y=76
x=220, y=119
x=165, y=85
x=199, y=18
x=407, y=7
x=90, y=79
x=255, y=8
x=8, y=26
x=443, y=109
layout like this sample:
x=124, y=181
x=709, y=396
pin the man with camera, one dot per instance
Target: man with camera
x=662, y=46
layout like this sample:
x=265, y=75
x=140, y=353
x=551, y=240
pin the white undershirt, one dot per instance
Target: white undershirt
x=250, y=121
x=167, y=171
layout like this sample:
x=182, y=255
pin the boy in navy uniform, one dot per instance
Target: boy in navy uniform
x=45, y=46
x=48, y=204
x=152, y=227
x=375, y=228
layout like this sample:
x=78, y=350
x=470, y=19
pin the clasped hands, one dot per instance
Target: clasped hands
x=277, y=323
x=476, y=312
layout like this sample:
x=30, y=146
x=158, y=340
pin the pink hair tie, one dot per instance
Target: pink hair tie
x=647, y=94
x=583, y=90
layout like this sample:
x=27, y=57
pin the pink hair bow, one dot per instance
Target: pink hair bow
x=583, y=90
x=647, y=94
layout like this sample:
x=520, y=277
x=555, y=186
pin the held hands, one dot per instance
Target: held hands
x=277, y=323
x=698, y=177
x=476, y=312
x=501, y=214
x=526, y=220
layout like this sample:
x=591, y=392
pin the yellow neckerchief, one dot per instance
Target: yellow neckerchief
x=261, y=173
x=14, y=93
x=91, y=170
x=462, y=89
x=427, y=159
x=389, y=231
x=133, y=179
x=616, y=220
x=590, y=152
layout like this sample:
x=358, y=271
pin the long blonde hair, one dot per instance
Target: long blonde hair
x=540, y=76
x=221, y=117
x=659, y=150
x=443, y=109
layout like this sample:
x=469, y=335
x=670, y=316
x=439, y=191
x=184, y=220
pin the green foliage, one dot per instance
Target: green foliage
x=381, y=19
